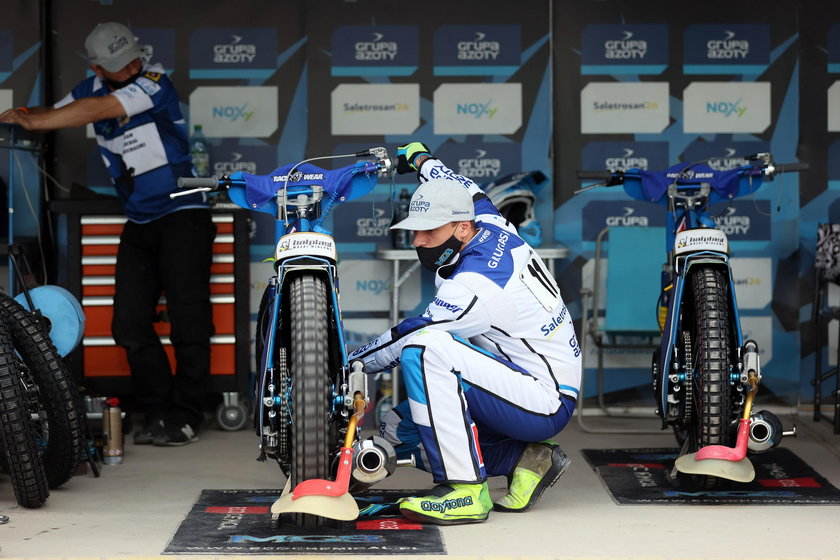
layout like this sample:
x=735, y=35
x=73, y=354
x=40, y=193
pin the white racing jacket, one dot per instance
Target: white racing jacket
x=499, y=295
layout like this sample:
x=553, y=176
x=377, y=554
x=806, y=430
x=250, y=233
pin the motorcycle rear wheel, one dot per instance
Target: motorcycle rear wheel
x=311, y=384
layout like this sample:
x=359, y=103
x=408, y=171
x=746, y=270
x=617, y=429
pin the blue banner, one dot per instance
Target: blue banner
x=612, y=156
x=477, y=50
x=624, y=49
x=384, y=50
x=233, y=53
x=482, y=161
x=726, y=49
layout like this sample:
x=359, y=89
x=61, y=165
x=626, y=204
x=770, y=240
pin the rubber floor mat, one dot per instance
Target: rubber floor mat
x=641, y=476
x=239, y=522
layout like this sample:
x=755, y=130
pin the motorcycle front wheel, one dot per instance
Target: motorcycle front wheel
x=711, y=407
x=311, y=385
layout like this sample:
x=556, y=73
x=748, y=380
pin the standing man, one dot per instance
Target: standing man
x=492, y=367
x=166, y=246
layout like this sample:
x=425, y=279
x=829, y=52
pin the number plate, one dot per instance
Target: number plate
x=702, y=239
x=305, y=244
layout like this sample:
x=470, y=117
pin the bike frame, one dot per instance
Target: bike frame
x=688, y=191
x=300, y=197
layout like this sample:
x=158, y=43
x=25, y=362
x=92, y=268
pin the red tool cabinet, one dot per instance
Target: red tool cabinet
x=92, y=229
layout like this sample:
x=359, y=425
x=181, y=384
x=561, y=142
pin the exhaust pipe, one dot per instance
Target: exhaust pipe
x=766, y=431
x=373, y=460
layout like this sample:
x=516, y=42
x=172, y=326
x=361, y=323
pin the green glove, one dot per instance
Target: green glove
x=406, y=156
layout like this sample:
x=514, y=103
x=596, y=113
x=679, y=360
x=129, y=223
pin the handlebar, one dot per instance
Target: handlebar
x=197, y=182
x=381, y=165
x=791, y=167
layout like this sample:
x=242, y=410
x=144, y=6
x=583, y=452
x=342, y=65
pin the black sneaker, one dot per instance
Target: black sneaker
x=175, y=434
x=146, y=434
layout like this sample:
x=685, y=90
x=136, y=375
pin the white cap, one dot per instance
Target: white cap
x=435, y=203
x=112, y=46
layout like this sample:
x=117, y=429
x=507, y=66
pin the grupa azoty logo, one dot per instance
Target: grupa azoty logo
x=626, y=161
x=480, y=166
x=729, y=47
x=377, y=49
x=628, y=218
x=479, y=48
x=731, y=223
x=234, y=51
x=234, y=162
x=727, y=161
x=625, y=48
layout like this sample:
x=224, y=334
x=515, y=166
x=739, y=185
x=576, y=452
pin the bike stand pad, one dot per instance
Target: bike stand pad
x=739, y=471
x=342, y=507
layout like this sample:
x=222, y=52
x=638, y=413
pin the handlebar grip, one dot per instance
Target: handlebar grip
x=197, y=182
x=595, y=175
x=791, y=167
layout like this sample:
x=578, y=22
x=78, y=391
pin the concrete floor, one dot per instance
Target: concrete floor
x=133, y=509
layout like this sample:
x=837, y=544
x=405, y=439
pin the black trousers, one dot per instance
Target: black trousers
x=171, y=256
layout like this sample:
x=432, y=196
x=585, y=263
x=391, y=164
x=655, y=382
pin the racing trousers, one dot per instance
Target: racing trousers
x=469, y=413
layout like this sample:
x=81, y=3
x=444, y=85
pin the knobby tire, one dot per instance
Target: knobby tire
x=17, y=433
x=309, y=359
x=57, y=393
x=711, y=414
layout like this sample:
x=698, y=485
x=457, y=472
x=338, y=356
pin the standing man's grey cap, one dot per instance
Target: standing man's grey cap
x=112, y=46
x=435, y=203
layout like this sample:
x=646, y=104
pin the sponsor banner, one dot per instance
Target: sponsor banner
x=753, y=279
x=366, y=286
x=302, y=244
x=726, y=49
x=239, y=53
x=363, y=222
x=600, y=214
x=743, y=220
x=695, y=240
x=726, y=107
x=624, y=49
x=833, y=99
x=374, y=109
x=235, y=112
x=834, y=49
x=615, y=108
x=478, y=108
x=722, y=155
x=6, y=55
x=482, y=162
x=477, y=50
x=158, y=45
x=231, y=155
x=6, y=99
x=384, y=50
x=612, y=156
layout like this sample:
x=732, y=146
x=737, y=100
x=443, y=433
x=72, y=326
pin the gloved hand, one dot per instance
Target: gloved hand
x=406, y=155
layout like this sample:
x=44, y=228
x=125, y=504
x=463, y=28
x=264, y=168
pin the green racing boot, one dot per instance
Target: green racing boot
x=451, y=504
x=539, y=467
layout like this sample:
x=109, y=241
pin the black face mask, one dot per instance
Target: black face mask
x=435, y=257
x=117, y=85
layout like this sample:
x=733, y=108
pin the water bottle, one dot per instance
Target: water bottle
x=112, y=450
x=199, y=153
x=402, y=238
